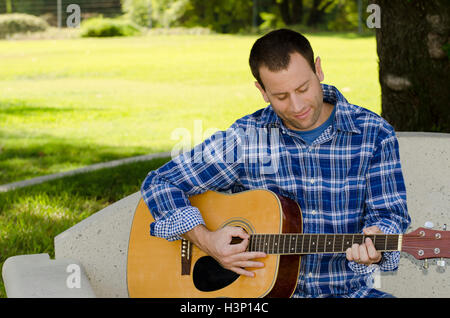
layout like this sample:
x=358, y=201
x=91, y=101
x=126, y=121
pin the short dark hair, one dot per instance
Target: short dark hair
x=273, y=51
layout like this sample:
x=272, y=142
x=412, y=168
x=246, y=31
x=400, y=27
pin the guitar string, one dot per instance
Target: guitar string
x=321, y=247
x=321, y=240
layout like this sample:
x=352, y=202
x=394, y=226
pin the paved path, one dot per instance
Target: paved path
x=109, y=164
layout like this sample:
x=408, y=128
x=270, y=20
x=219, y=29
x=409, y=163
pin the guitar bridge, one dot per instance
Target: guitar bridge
x=186, y=253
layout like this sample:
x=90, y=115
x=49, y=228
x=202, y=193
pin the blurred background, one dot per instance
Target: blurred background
x=135, y=70
x=110, y=79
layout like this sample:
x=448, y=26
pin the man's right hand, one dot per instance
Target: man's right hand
x=217, y=244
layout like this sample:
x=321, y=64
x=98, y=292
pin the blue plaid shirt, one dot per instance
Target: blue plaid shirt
x=347, y=179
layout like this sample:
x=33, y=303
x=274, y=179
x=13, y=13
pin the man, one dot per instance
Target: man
x=340, y=162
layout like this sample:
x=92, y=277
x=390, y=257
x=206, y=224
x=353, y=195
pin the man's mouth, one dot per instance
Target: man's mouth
x=303, y=115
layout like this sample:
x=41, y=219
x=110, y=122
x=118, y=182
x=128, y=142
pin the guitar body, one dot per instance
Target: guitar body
x=154, y=266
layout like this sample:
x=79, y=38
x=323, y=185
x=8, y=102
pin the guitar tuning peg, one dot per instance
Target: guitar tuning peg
x=429, y=224
x=425, y=264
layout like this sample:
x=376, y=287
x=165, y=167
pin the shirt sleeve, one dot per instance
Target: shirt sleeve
x=385, y=198
x=211, y=165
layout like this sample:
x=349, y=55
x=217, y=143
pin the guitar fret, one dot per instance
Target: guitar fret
x=276, y=239
x=288, y=243
x=265, y=245
x=348, y=242
x=338, y=239
x=392, y=242
x=321, y=243
x=303, y=241
x=292, y=249
x=306, y=239
x=358, y=239
x=270, y=243
x=381, y=242
x=331, y=245
x=280, y=244
x=289, y=237
x=314, y=242
x=284, y=243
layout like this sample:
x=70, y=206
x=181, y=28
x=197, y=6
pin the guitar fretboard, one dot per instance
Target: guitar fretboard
x=318, y=243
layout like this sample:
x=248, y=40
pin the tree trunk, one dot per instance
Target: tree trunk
x=297, y=11
x=414, y=71
x=285, y=11
x=8, y=6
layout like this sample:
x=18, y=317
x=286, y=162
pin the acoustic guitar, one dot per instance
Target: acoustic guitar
x=158, y=268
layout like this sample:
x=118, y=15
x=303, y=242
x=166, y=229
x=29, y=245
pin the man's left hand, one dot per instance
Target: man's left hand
x=365, y=253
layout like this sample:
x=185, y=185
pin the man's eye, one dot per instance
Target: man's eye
x=283, y=97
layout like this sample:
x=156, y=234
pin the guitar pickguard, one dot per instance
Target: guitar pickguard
x=209, y=275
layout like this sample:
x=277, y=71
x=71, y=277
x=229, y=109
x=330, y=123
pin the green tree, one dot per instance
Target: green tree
x=8, y=6
x=225, y=16
x=318, y=10
x=159, y=13
x=291, y=11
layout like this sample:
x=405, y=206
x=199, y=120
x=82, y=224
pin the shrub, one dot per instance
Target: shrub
x=20, y=23
x=137, y=11
x=104, y=27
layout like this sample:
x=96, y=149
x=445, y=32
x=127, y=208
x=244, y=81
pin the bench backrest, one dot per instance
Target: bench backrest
x=100, y=242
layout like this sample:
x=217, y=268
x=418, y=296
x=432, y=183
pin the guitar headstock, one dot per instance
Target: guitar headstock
x=424, y=243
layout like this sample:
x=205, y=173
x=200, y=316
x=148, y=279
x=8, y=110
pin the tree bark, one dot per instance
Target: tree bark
x=297, y=11
x=414, y=71
x=285, y=12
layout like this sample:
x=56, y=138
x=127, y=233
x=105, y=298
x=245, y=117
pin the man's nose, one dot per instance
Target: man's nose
x=297, y=103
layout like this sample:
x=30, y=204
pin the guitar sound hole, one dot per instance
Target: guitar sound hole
x=209, y=275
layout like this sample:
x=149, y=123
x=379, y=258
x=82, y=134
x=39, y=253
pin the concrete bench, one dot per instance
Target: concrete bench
x=99, y=243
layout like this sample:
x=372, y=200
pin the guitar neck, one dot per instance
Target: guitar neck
x=319, y=243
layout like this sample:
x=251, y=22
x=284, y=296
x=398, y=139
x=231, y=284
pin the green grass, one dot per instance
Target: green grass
x=31, y=217
x=72, y=102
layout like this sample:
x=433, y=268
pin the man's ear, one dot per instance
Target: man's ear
x=263, y=92
x=319, y=71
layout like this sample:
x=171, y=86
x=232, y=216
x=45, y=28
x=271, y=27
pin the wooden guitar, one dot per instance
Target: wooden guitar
x=158, y=268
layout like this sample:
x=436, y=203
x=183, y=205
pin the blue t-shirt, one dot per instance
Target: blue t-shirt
x=311, y=135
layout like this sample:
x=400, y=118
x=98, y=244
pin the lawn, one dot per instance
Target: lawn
x=31, y=217
x=68, y=103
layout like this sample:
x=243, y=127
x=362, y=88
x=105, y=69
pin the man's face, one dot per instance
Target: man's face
x=296, y=94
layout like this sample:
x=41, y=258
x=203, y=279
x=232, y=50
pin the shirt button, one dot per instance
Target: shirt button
x=309, y=275
x=313, y=212
x=311, y=181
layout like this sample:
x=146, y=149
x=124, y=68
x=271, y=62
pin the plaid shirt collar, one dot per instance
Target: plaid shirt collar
x=344, y=118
